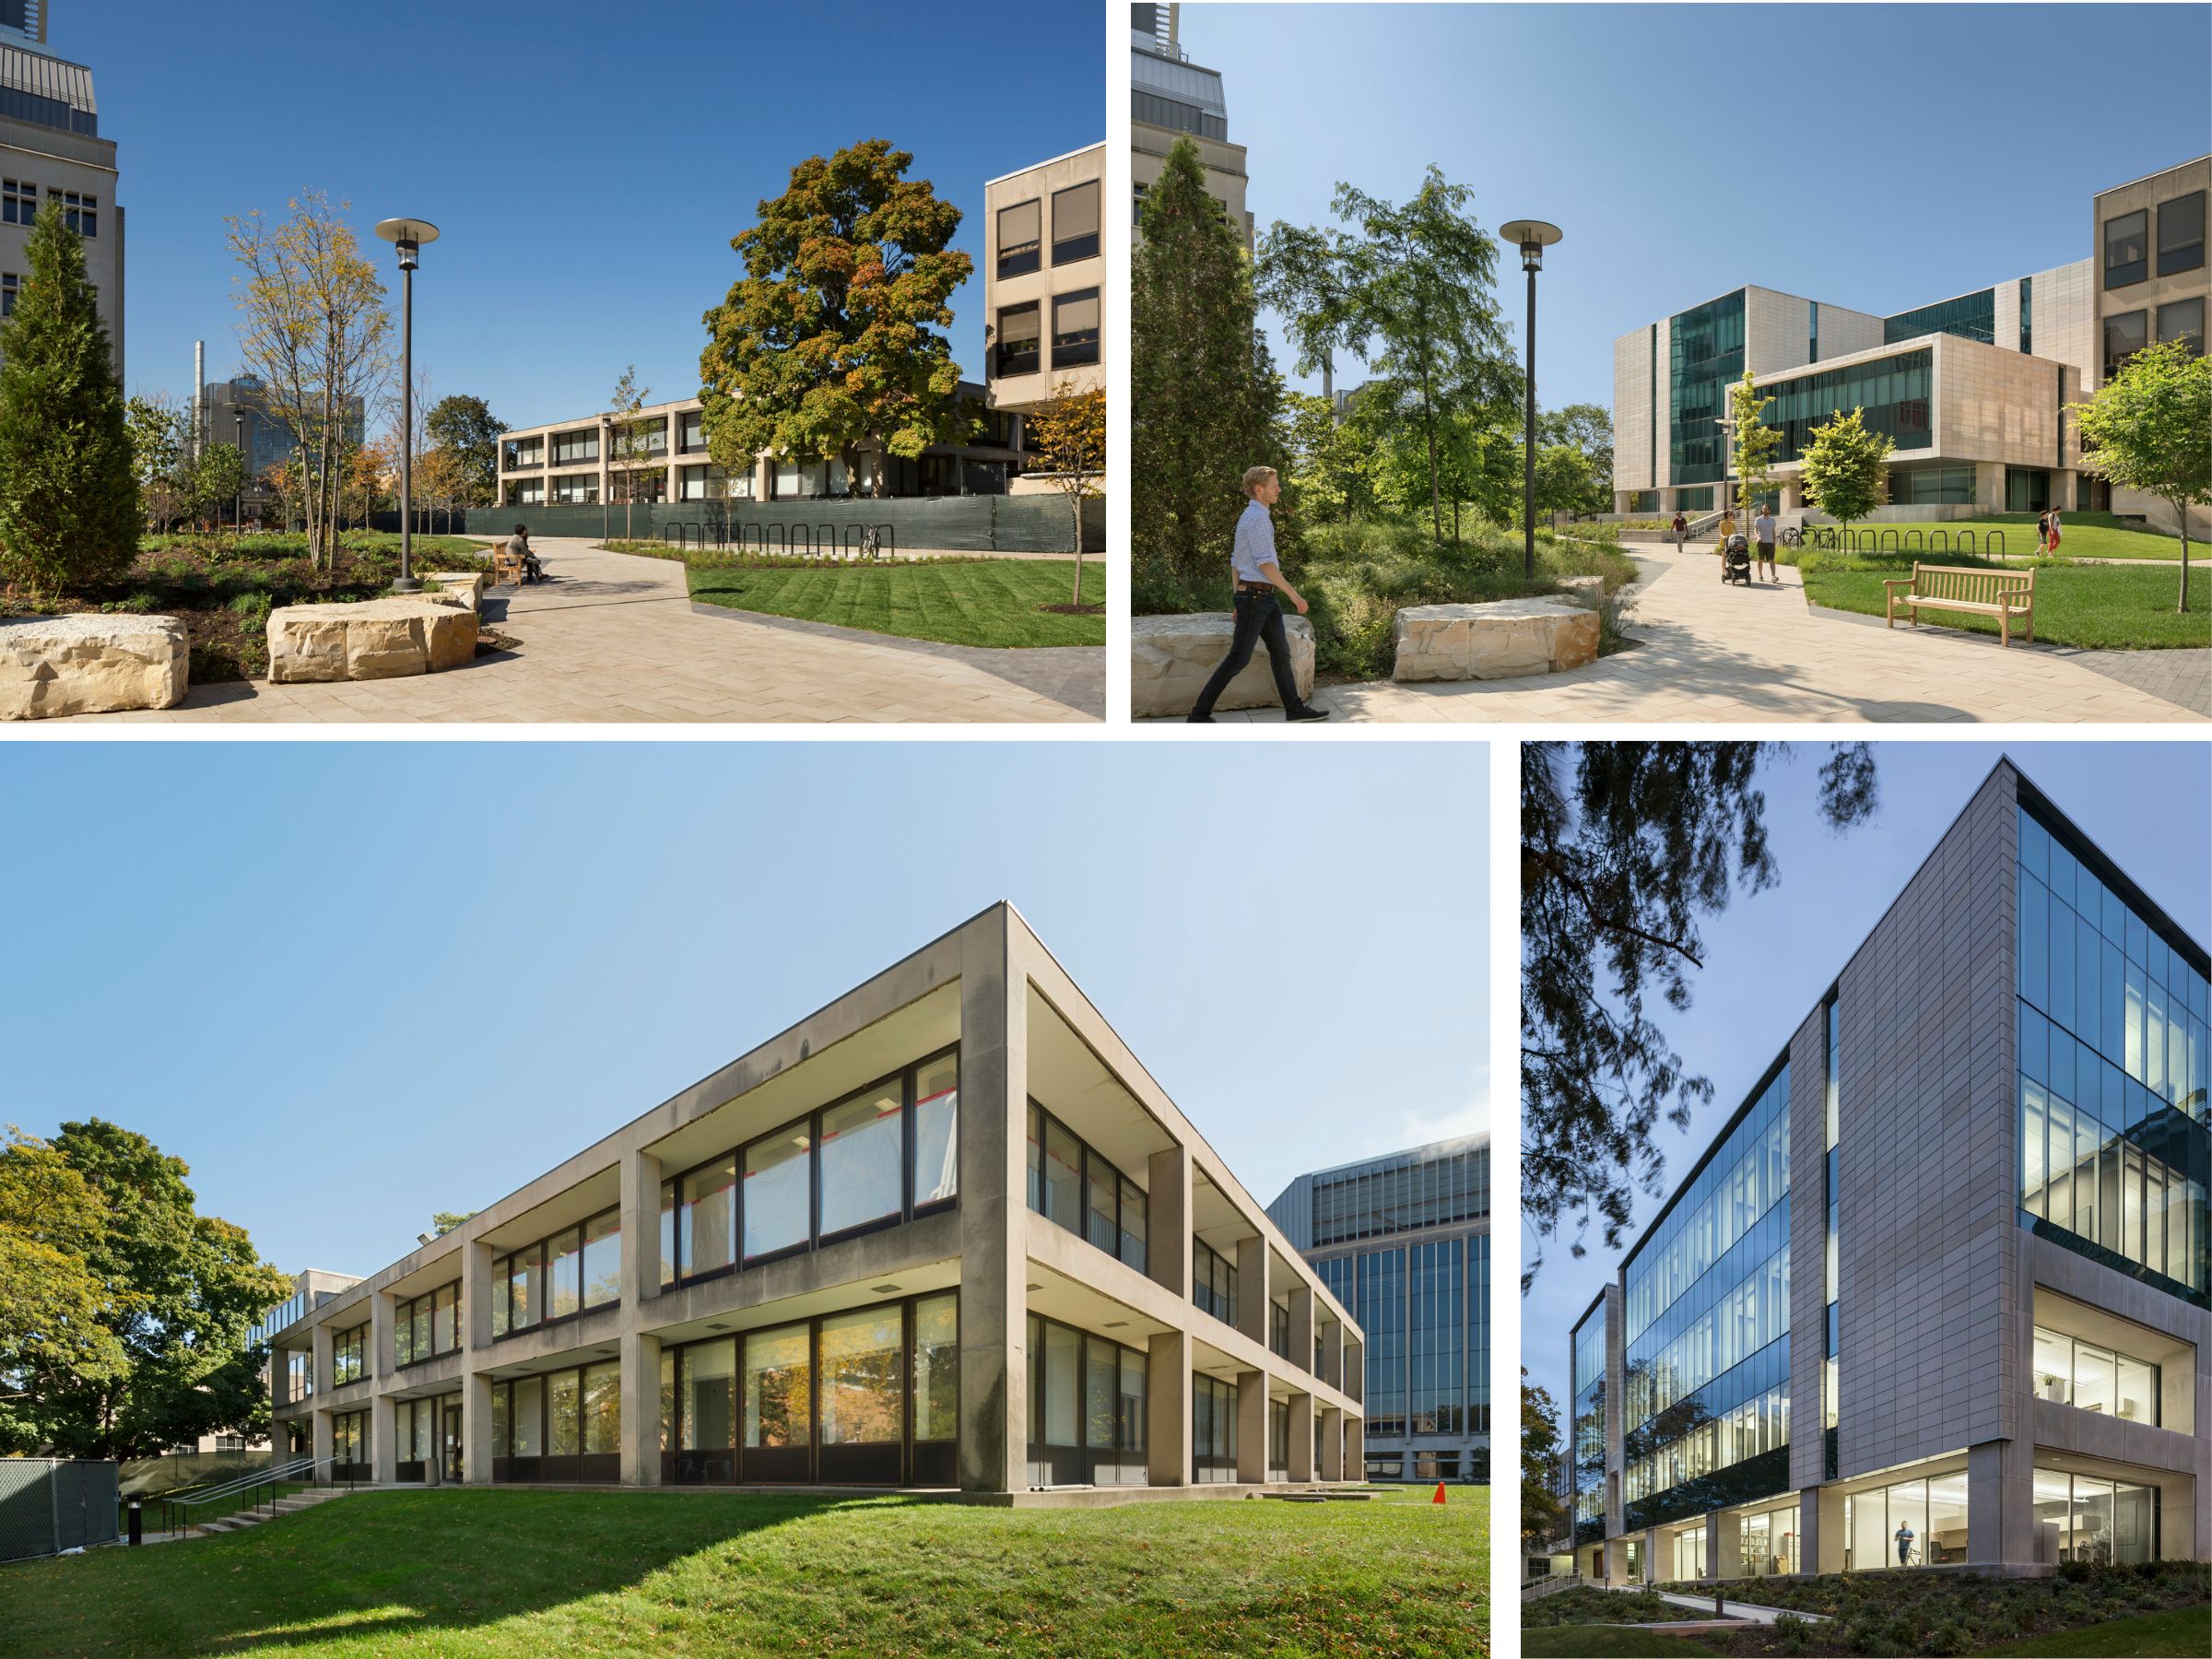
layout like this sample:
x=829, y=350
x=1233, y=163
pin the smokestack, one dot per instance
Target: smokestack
x=199, y=394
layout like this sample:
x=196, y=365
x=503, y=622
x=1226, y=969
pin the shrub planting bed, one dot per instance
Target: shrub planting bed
x=1587, y=1605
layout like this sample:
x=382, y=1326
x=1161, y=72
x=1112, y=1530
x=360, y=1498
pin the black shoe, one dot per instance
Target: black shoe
x=1309, y=712
x=1198, y=720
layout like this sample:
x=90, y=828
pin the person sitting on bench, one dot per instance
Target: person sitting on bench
x=518, y=545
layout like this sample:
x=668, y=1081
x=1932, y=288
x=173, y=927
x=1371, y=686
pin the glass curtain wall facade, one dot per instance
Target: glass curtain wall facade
x=1970, y=316
x=1586, y=1450
x=564, y=1426
x=1707, y=1328
x=1908, y=1523
x=1087, y=1399
x=2101, y=1523
x=1895, y=392
x=2115, y=1155
x=1705, y=356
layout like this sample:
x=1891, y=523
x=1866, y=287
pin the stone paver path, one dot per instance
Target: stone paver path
x=617, y=637
x=1761, y=654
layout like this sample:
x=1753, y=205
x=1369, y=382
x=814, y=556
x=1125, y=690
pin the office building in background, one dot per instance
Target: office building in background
x=1171, y=98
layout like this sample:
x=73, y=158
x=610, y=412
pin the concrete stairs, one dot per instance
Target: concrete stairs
x=282, y=1506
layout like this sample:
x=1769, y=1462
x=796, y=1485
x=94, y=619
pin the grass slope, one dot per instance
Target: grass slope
x=515, y=1573
x=2183, y=1630
x=976, y=602
x=2083, y=535
x=2099, y=606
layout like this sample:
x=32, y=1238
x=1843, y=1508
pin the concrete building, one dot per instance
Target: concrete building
x=1171, y=98
x=51, y=150
x=944, y=1233
x=1972, y=390
x=585, y=462
x=236, y=413
x=1044, y=274
x=1403, y=1241
x=1940, y=1282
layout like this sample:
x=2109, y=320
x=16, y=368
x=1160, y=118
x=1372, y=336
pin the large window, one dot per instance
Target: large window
x=1087, y=1407
x=10, y=286
x=1911, y=1523
x=1076, y=328
x=2181, y=233
x=425, y=1326
x=1586, y=1436
x=1213, y=1282
x=563, y=1426
x=576, y=489
x=348, y=1355
x=1924, y=485
x=573, y=449
x=1075, y=222
x=2124, y=334
x=19, y=202
x=866, y=1397
x=2183, y=320
x=1019, y=328
x=2103, y=1522
x=1436, y=1363
x=1073, y=1185
x=691, y=432
x=1705, y=349
x=1020, y=239
x=2070, y=1372
x=349, y=1450
x=1970, y=316
x=81, y=213
x=415, y=1438
x=889, y=1152
x=2127, y=249
x=2113, y=1067
x=558, y=1278
x=1894, y=393
x=1213, y=1429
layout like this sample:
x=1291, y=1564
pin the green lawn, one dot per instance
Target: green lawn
x=2184, y=1630
x=515, y=1573
x=2083, y=535
x=967, y=601
x=2099, y=606
x=1604, y=1641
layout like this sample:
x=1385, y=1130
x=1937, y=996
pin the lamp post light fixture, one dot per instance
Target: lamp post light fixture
x=238, y=510
x=1727, y=425
x=1532, y=236
x=407, y=235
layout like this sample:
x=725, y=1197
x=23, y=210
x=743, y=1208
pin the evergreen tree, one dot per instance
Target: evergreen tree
x=68, y=480
x=1203, y=392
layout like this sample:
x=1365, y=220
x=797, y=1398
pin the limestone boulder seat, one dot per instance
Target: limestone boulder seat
x=1505, y=639
x=91, y=664
x=1171, y=658
x=466, y=586
x=371, y=639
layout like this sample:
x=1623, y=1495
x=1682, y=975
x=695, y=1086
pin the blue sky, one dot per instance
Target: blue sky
x=1877, y=158
x=587, y=163
x=353, y=984
x=1770, y=958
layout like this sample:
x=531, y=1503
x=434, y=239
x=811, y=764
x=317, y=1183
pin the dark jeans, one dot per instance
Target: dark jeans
x=1258, y=617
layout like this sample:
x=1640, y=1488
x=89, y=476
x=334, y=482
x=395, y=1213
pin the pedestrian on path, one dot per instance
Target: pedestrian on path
x=1762, y=532
x=1727, y=525
x=2052, y=549
x=1681, y=532
x=2042, y=531
x=1258, y=615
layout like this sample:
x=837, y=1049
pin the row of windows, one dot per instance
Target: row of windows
x=1909, y=1523
x=1073, y=1185
x=19, y=206
x=887, y=1153
x=2180, y=241
x=348, y=1355
x=1436, y=1364
x=2087, y=1179
x=425, y=1326
x=1427, y=1329
x=1925, y=486
x=1075, y=230
x=1742, y=1432
x=1214, y=1430
x=349, y=1446
x=1970, y=316
x=415, y=1436
x=1214, y=1282
x=574, y=1415
x=2129, y=332
x=1087, y=1400
x=1075, y=334
x=1747, y=1175
x=1746, y=1317
x=2070, y=1372
x=1892, y=393
x=1430, y=1192
x=1705, y=356
x=559, y=1277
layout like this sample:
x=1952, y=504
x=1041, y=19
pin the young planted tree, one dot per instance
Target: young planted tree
x=1070, y=435
x=1202, y=392
x=317, y=332
x=467, y=428
x=157, y=429
x=214, y=478
x=2151, y=427
x=1846, y=471
x=69, y=505
x=1624, y=846
x=281, y=479
x=632, y=442
x=1755, y=441
x=829, y=344
x=438, y=481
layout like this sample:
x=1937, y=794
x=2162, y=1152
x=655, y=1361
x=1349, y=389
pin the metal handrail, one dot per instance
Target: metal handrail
x=176, y=1512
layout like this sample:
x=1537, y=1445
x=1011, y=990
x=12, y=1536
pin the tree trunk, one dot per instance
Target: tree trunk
x=2183, y=508
x=1074, y=503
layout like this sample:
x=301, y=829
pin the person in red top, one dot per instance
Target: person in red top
x=1681, y=531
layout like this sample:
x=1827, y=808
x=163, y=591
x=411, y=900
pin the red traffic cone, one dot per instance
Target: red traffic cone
x=1440, y=1493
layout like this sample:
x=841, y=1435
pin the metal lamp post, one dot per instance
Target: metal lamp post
x=238, y=508
x=407, y=235
x=1727, y=425
x=1533, y=236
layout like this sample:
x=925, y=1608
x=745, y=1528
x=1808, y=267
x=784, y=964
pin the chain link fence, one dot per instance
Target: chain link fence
x=50, y=1504
x=1029, y=524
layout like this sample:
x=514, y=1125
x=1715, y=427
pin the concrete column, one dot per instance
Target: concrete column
x=640, y=1409
x=381, y=1426
x=1168, y=1220
x=606, y=446
x=476, y=1362
x=384, y=1455
x=1301, y=1327
x=995, y=1376
x=1652, y=1573
x=1332, y=1352
x=2000, y=1499
x=1251, y=1424
x=1355, y=1448
x=1724, y=1547
x=1254, y=1298
x=641, y=1227
x=1823, y=1550
x=319, y=1357
x=1616, y=1560
x=1332, y=1444
x=1355, y=1370
x=321, y=1444
x=1301, y=1431
x=1168, y=1409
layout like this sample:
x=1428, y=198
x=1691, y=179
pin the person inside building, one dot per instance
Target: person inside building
x=1904, y=1543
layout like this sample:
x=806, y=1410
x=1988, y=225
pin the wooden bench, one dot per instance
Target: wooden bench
x=506, y=565
x=2005, y=595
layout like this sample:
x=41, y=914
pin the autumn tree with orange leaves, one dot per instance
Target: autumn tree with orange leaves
x=829, y=344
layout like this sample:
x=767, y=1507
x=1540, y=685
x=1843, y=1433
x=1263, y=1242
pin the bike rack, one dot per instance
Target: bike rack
x=1913, y=542
x=1966, y=541
x=1886, y=542
x=1940, y=541
x=1995, y=544
x=826, y=534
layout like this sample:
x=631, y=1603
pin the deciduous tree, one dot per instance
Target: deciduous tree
x=213, y=480
x=157, y=429
x=1624, y=847
x=1755, y=441
x=632, y=461
x=68, y=487
x=53, y=1305
x=1070, y=435
x=465, y=427
x=2151, y=428
x=830, y=343
x=1541, y=1467
x=1846, y=472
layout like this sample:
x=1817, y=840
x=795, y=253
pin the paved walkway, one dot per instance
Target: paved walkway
x=1762, y=654
x=1729, y=1609
x=617, y=637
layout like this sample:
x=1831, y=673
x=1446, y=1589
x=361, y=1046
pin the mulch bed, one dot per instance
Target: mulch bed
x=1074, y=610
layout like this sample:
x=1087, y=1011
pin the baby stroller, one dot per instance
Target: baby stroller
x=1736, y=560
